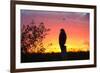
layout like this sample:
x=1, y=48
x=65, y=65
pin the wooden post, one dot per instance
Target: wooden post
x=64, y=52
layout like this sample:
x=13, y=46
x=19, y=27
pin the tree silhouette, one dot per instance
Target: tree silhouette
x=32, y=38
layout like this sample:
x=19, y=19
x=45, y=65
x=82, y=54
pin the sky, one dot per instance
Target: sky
x=75, y=24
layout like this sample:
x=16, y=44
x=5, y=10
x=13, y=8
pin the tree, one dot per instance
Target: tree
x=32, y=38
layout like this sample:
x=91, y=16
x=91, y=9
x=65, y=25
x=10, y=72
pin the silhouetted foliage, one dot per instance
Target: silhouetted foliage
x=42, y=57
x=32, y=36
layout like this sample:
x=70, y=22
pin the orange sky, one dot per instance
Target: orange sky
x=75, y=24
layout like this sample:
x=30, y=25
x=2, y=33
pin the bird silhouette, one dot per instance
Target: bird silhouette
x=62, y=40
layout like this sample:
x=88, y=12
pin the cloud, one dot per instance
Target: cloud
x=86, y=43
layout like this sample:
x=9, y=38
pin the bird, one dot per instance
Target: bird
x=62, y=39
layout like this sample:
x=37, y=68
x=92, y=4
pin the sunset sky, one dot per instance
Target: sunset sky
x=75, y=24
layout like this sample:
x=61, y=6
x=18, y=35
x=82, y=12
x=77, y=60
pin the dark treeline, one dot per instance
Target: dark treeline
x=42, y=57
